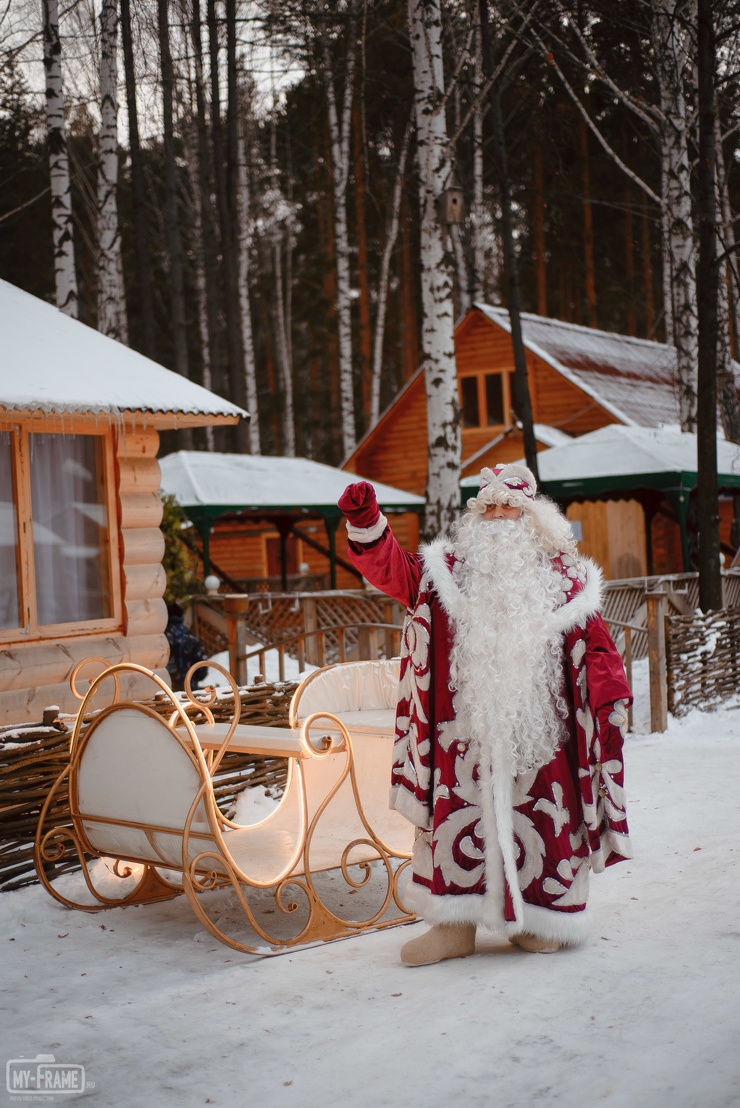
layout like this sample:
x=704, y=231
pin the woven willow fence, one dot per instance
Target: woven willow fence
x=33, y=755
x=702, y=659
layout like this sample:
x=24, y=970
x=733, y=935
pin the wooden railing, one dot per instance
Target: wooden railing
x=329, y=623
x=373, y=640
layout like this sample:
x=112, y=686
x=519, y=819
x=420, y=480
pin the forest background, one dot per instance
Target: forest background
x=244, y=199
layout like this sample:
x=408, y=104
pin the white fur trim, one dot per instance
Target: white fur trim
x=586, y=603
x=575, y=613
x=367, y=534
x=435, y=564
x=463, y=908
x=568, y=928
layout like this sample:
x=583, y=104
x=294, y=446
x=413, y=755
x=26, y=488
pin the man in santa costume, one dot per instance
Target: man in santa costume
x=512, y=708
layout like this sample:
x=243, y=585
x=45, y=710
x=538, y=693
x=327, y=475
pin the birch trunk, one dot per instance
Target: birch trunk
x=443, y=411
x=243, y=247
x=61, y=196
x=111, y=302
x=385, y=266
x=339, y=134
x=679, y=246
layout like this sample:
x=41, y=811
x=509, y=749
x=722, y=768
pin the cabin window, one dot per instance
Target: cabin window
x=70, y=528
x=494, y=399
x=469, y=402
x=55, y=544
x=9, y=591
x=482, y=399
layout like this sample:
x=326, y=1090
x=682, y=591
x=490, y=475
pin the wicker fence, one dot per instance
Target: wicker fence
x=33, y=755
x=702, y=659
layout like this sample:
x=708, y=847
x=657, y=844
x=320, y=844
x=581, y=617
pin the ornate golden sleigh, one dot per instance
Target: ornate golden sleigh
x=142, y=799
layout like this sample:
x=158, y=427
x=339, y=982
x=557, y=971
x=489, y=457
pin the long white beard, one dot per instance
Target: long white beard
x=506, y=661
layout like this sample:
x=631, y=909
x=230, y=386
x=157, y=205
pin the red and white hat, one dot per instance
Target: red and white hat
x=505, y=484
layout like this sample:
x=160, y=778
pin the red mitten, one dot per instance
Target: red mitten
x=359, y=504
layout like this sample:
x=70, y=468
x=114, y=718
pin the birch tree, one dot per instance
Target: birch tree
x=65, y=276
x=339, y=135
x=111, y=302
x=438, y=347
x=678, y=226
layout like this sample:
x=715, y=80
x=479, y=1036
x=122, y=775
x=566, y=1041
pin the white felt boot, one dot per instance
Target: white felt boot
x=535, y=945
x=445, y=940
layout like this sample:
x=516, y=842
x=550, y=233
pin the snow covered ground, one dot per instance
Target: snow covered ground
x=646, y=1015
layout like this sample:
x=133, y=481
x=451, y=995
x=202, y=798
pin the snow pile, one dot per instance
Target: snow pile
x=646, y=1014
x=271, y=672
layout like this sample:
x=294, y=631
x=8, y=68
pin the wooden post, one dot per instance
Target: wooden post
x=310, y=623
x=241, y=652
x=232, y=635
x=367, y=643
x=656, y=603
x=628, y=668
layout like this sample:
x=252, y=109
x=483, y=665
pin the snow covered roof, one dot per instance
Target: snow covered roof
x=617, y=454
x=56, y=364
x=550, y=436
x=606, y=365
x=201, y=479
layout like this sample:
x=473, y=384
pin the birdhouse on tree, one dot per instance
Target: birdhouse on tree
x=451, y=207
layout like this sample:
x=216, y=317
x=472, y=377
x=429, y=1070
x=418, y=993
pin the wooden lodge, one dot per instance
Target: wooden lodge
x=80, y=545
x=580, y=380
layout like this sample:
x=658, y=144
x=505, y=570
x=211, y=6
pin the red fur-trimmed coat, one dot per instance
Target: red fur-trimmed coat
x=515, y=855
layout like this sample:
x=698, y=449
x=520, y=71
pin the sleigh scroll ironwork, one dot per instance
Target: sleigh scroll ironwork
x=142, y=800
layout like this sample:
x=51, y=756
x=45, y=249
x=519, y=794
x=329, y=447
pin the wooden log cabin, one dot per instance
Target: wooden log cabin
x=80, y=545
x=580, y=380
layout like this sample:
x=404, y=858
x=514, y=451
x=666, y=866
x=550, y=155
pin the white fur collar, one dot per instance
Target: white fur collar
x=574, y=613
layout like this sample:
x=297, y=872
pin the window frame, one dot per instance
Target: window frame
x=29, y=629
x=480, y=375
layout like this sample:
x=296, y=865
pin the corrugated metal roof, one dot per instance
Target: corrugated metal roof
x=55, y=364
x=253, y=481
x=607, y=365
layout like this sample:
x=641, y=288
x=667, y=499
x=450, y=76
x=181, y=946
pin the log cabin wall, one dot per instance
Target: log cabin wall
x=35, y=674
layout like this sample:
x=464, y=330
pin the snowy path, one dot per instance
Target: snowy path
x=644, y=1016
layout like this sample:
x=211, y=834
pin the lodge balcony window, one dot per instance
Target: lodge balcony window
x=483, y=400
x=56, y=505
